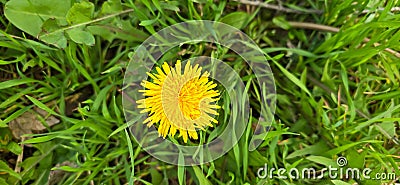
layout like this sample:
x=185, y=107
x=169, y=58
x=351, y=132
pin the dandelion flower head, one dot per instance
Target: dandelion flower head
x=179, y=102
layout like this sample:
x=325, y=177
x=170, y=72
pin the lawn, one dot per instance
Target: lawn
x=293, y=92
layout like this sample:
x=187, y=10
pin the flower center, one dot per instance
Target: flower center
x=189, y=100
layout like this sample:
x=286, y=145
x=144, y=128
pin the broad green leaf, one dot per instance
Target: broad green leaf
x=387, y=128
x=111, y=6
x=156, y=177
x=80, y=12
x=29, y=15
x=356, y=159
x=56, y=38
x=81, y=37
x=107, y=32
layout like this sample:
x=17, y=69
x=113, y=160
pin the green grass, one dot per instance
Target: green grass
x=337, y=83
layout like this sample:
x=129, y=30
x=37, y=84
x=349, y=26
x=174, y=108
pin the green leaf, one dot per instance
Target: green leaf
x=102, y=96
x=356, y=159
x=30, y=64
x=57, y=38
x=18, y=59
x=131, y=155
x=67, y=169
x=5, y=136
x=339, y=182
x=281, y=22
x=81, y=37
x=107, y=32
x=256, y=159
x=169, y=6
x=292, y=50
x=236, y=19
x=181, y=169
x=111, y=6
x=40, y=139
x=200, y=176
x=29, y=15
x=12, y=99
x=148, y=22
x=5, y=168
x=80, y=12
x=379, y=116
x=156, y=177
x=41, y=105
x=2, y=181
x=345, y=147
x=322, y=160
x=293, y=78
x=16, y=82
x=314, y=149
x=100, y=129
x=80, y=28
x=14, y=148
x=123, y=127
x=122, y=29
x=3, y=124
x=387, y=128
x=14, y=115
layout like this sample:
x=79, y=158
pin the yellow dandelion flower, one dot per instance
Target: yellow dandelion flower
x=178, y=101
